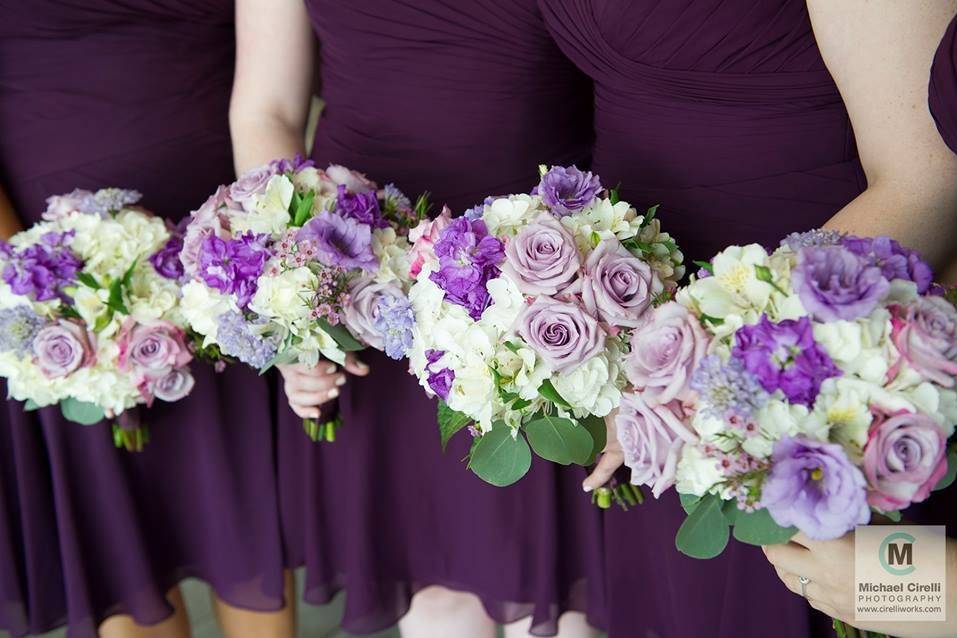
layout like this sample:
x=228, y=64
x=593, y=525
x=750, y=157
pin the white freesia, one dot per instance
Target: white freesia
x=506, y=215
x=734, y=287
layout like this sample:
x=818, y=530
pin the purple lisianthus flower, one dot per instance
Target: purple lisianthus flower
x=726, y=389
x=18, y=327
x=362, y=207
x=894, y=260
x=784, y=356
x=813, y=486
x=440, y=381
x=41, y=270
x=166, y=261
x=468, y=258
x=233, y=266
x=835, y=284
x=340, y=241
x=568, y=190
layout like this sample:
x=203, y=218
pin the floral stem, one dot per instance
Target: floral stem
x=320, y=432
x=131, y=439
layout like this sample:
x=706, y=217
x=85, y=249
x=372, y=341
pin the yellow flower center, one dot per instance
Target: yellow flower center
x=817, y=474
x=841, y=415
x=736, y=278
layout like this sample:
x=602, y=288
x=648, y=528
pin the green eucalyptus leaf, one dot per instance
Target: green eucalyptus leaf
x=548, y=391
x=30, y=405
x=450, y=422
x=758, y=528
x=948, y=478
x=689, y=502
x=81, y=412
x=705, y=533
x=599, y=435
x=282, y=357
x=559, y=440
x=500, y=458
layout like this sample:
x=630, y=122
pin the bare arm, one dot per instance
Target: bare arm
x=879, y=53
x=273, y=83
x=9, y=223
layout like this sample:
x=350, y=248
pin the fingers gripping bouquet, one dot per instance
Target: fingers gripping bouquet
x=522, y=311
x=89, y=312
x=291, y=263
x=801, y=390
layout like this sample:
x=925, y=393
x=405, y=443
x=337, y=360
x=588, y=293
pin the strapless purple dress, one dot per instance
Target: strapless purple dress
x=723, y=112
x=463, y=99
x=130, y=93
x=943, y=86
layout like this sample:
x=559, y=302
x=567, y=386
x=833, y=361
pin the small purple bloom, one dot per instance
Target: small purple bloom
x=784, y=356
x=478, y=210
x=814, y=487
x=233, y=266
x=440, y=381
x=812, y=238
x=241, y=338
x=294, y=165
x=568, y=190
x=394, y=322
x=166, y=260
x=41, y=270
x=362, y=207
x=727, y=390
x=468, y=258
x=895, y=261
x=340, y=241
x=835, y=284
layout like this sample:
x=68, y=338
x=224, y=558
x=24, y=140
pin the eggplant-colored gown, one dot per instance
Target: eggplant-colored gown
x=129, y=93
x=723, y=112
x=464, y=99
x=943, y=86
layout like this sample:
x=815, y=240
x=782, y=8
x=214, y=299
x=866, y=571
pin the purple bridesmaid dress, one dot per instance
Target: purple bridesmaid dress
x=722, y=111
x=130, y=93
x=943, y=86
x=463, y=99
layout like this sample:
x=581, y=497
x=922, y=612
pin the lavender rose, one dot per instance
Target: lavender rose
x=209, y=220
x=542, y=258
x=617, y=286
x=568, y=190
x=561, y=333
x=652, y=438
x=174, y=386
x=665, y=350
x=251, y=183
x=362, y=311
x=905, y=457
x=63, y=348
x=151, y=350
x=925, y=333
x=813, y=486
x=835, y=284
x=340, y=241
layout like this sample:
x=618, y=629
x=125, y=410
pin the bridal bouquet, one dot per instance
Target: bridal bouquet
x=290, y=263
x=801, y=390
x=89, y=312
x=522, y=310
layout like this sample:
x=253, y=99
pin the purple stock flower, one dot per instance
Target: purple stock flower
x=166, y=260
x=814, y=487
x=727, y=390
x=895, y=261
x=41, y=270
x=568, y=190
x=394, y=322
x=362, y=207
x=835, y=284
x=241, y=338
x=440, y=381
x=468, y=258
x=340, y=241
x=784, y=356
x=18, y=326
x=233, y=266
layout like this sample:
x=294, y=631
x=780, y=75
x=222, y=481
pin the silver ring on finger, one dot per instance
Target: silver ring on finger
x=804, y=580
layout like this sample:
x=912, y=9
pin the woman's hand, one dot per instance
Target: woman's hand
x=309, y=388
x=611, y=459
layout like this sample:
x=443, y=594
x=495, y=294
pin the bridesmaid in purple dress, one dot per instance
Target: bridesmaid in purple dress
x=131, y=93
x=724, y=111
x=463, y=99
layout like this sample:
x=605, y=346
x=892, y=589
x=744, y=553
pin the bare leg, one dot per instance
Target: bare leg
x=176, y=626
x=437, y=612
x=570, y=625
x=243, y=623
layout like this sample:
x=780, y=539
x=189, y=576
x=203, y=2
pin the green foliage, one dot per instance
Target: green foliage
x=559, y=440
x=500, y=458
x=450, y=422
